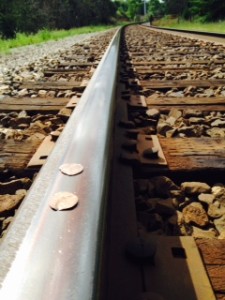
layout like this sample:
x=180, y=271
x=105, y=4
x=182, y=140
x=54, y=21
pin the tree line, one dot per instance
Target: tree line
x=204, y=10
x=29, y=16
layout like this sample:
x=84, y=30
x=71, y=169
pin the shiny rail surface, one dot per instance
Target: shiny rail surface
x=55, y=254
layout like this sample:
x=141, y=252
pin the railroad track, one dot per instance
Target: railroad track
x=172, y=94
x=151, y=195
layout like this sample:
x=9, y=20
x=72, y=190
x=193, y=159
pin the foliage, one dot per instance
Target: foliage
x=129, y=9
x=44, y=35
x=205, y=10
x=155, y=8
x=30, y=16
x=7, y=19
x=122, y=8
x=175, y=7
x=135, y=8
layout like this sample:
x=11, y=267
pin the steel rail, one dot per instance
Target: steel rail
x=55, y=254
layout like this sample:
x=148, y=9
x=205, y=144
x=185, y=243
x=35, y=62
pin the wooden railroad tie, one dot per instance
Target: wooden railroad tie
x=33, y=104
x=162, y=84
x=203, y=153
x=140, y=101
x=148, y=70
x=178, y=154
x=47, y=85
x=150, y=101
x=175, y=62
x=16, y=154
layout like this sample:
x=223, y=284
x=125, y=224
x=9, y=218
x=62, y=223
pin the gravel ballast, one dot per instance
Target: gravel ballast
x=22, y=56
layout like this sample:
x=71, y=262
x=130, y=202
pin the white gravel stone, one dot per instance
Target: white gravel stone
x=22, y=56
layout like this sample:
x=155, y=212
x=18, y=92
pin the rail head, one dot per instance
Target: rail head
x=54, y=254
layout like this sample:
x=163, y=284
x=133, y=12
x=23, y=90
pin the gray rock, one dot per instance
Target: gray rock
x=219, y=75
x=9, y=202
x=187, y=113
x=195, y=214
x=153, y=113
x=189, y=91
x=23, y=93
x=4, y=89
x=216, y=70
x=218, y=189
x=181, y=135
x=36, y=136
x=179, y=94
x=55, y=135
x=23, y=126
x=200, y=233
x=51, y=94
x=175, y=113
x=17, y=78
x=185, y=203
x=171, y=121
x=216, y=132
x=220, y=224
x=193, y=131
x=195, y=120
x=209, y=92
x=218, y=123
x=220, y=197
x=215, y=210
x=221, y=236
x=185, y=229
x=22, y=114
x=188, y=131
x=206, y=198
x=178, y=194
x=42, y=93
x=163, y=186
x=163, y=127
x=23, y=120
x=21, y=192
x=65, y=113
x=192, y=188
x=174, y=224
x=171, y=133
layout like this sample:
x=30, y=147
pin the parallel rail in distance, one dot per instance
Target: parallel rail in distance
x=214, y=34
x=54, y=254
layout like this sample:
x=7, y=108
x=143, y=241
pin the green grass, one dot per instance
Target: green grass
x=195, y=25
x=46, y=35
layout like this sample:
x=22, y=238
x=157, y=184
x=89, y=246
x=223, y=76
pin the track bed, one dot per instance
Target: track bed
x=171, y=147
